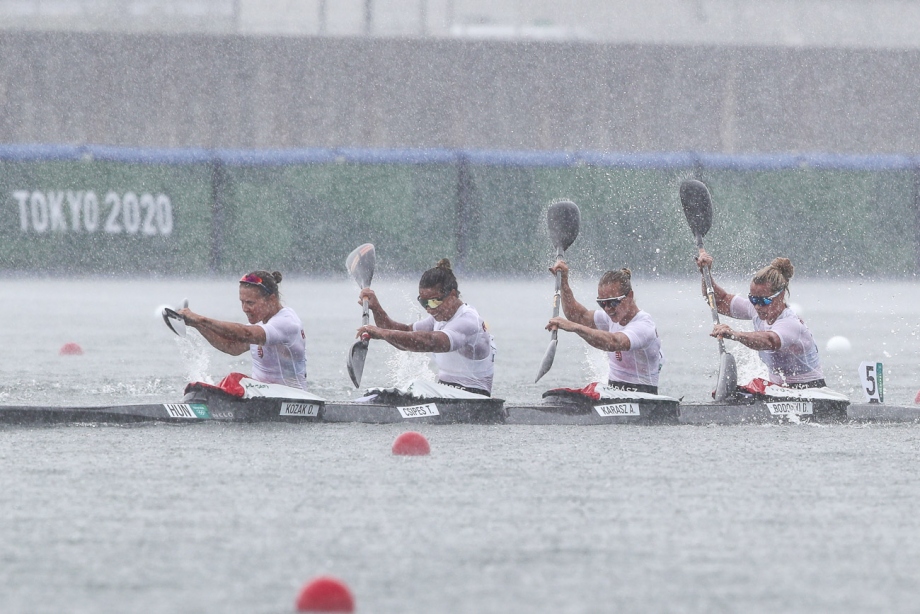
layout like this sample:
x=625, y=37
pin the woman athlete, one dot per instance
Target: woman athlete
x=453, y=331
x=619, y=327
x=274, y=335
x=784, y=343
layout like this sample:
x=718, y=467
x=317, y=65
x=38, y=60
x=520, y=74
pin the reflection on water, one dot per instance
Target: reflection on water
x=130, y=356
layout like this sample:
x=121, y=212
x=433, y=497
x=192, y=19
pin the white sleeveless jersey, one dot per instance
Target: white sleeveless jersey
x=642, y=362
x=471, y=359
x=283, y=358
x=796, y=361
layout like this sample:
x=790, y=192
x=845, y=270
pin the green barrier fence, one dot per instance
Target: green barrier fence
x=122, y=211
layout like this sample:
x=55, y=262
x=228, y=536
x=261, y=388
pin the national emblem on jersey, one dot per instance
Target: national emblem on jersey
x=261, y=353
x=619, y=355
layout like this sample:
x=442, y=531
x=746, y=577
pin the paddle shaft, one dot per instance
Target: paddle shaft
x=365, y=320
x=710, y=293
x=557, y=297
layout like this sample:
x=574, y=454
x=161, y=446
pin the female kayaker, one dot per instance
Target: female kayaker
x=784, y=343
x=453, y=332
x=619, y=327
x=274, y=335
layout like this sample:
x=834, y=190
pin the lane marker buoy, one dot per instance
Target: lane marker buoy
x=838, y=343
x=325, y=594
x=71, y=349
x=411, y=443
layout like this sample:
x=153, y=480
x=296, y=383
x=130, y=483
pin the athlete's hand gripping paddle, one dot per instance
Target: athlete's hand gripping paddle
x=697, y=204
x=360, y=263
x=174, y=321
x=562, y=219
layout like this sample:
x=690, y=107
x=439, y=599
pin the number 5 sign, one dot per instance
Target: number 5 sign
x=872, y=381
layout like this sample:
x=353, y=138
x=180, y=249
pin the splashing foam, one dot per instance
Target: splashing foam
x=596, y=364
x=194, y=351
x=403, y=366
x=407, y=366
x=748, y=362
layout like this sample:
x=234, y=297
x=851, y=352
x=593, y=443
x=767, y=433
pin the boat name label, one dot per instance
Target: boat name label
x=192, y=411
x=304, y=410
x=617, y=409
x=786, y=408
x=419, y=411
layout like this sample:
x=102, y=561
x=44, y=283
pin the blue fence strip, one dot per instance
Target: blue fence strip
x=280, y=157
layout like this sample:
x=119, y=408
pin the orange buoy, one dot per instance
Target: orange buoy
x=325, y=594
x=71, y=349
x=411, y=443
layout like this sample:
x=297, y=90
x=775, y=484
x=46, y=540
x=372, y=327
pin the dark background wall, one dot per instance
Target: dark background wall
x=248, y=92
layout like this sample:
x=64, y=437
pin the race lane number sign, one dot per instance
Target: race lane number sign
x=617, y=409
x=303, y=410
x=191, y=411
x=873, y=381
x=79, y=211
x=787, y=408
x=419, y=411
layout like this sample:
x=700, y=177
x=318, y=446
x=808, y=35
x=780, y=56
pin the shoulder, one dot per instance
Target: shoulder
x=741, y=308
x=641, y=324
x=467, y=311
x=790, y=319
x=466, y=318
x=642, y=318
x=601, y=320
x=425, y=324
x=286, y=317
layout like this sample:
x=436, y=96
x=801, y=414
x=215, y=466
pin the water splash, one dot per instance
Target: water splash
x=404, y=367
x=596, y=364
x=748, y=362
x=194, y=352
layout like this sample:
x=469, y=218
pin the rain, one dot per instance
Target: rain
x=153, y=152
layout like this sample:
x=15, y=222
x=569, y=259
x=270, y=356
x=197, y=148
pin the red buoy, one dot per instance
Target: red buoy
x=411, y=443
x=325, y=594
x=71, y=349
x=917, y=398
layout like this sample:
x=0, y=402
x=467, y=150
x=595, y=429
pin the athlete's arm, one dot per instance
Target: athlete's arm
x=410, y=340
x=723, y=298
x=228, y=337
x=573, y=310
x=381, y=319
x=601, y=339
x=756, y=340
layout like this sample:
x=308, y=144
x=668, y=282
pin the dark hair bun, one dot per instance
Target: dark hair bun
x=277, y=276
x=444, y=263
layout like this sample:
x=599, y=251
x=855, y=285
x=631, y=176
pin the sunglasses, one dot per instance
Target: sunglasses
x=610, y=303
x=432, y=303
x=254, y=280
x=763, y=300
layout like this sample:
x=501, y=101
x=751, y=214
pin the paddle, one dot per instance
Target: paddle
x=562, y=220
x=174, y=321
x=360, y=263
x=697, y=204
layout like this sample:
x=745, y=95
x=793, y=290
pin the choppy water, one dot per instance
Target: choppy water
x=234, y=518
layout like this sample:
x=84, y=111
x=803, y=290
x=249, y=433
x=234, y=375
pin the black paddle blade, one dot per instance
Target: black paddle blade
x=697, y=204
x=174, y=321
x=360, y=263
x=547, y=363
x=728, y=377
x=563, y=219
x=356, y=362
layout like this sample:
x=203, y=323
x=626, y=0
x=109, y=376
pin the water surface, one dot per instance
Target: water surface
x=511, y=519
